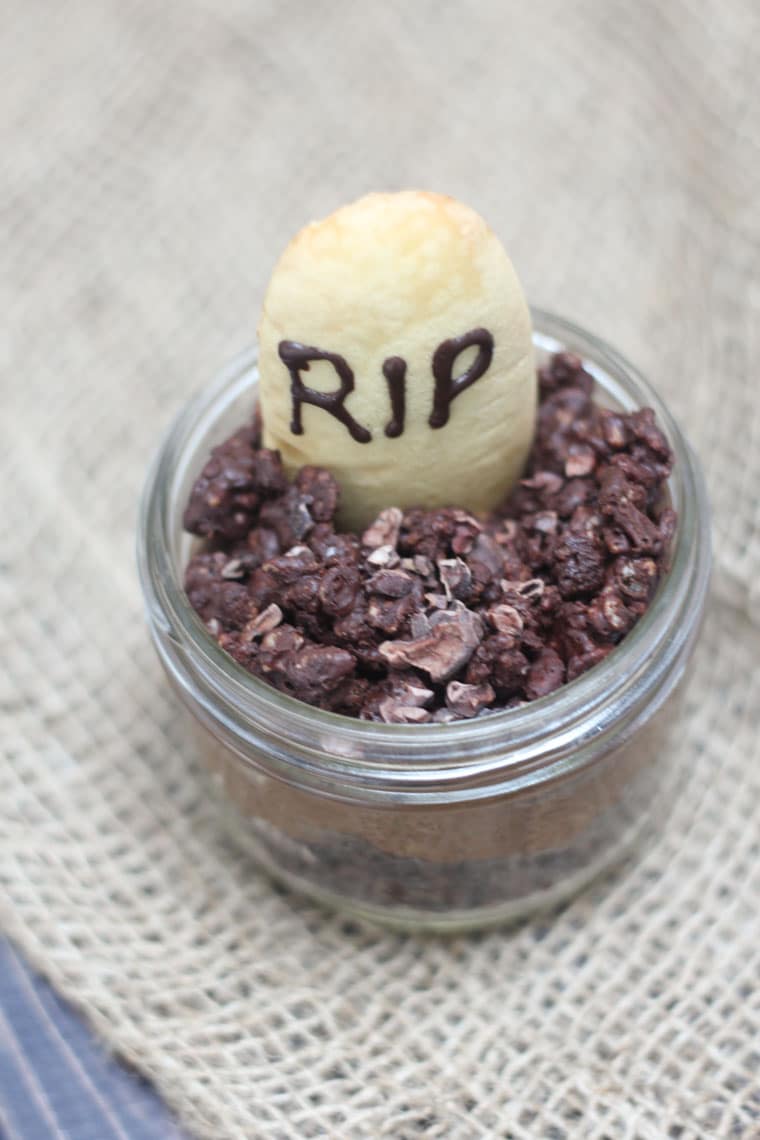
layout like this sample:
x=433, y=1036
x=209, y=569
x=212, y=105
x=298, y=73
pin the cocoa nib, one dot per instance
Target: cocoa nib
x=468, y=700
x=263, y=623
x=436, y=615
x=456, y=578
x=384, y=531
x=442, y=652
x=402, y=699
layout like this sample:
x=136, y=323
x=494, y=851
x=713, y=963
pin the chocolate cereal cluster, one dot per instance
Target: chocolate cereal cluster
x=435, y=615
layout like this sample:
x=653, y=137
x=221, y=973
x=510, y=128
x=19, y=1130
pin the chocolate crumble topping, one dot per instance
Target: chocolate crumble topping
x=435, y=615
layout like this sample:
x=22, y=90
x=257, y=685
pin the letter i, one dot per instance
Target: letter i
x=394, y=371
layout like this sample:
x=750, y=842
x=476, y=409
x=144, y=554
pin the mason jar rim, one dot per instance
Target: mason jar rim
x=516, y=747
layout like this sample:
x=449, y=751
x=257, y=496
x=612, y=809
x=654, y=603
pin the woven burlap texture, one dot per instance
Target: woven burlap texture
x=156, y=157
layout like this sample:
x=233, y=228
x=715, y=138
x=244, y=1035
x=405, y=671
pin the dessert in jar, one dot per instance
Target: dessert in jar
x=447, y=571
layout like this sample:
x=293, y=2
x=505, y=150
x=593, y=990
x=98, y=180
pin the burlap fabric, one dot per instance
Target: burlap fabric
x=155, y=158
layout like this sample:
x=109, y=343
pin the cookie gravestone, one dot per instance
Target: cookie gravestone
x=395, y=350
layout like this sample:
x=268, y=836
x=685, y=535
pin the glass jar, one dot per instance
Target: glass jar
x=436, y=826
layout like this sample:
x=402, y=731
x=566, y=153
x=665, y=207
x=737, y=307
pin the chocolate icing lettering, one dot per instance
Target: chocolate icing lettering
x=446, y=387
x=296, y=358
x=394, y=371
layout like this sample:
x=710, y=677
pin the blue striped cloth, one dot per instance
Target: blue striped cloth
x=56, y=1082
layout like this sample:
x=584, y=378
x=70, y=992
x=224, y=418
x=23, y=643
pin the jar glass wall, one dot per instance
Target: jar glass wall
x=442, y=825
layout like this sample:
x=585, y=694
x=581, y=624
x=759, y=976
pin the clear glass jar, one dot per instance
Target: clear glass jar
x=439, y=826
